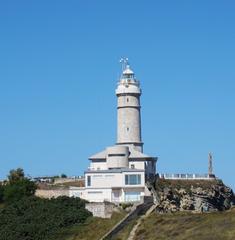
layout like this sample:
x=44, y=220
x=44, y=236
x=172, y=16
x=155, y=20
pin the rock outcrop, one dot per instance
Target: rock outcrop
x=194, y=195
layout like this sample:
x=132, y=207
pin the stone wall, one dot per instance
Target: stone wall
x=67, y=180
x=101, y=209
x=50, y=193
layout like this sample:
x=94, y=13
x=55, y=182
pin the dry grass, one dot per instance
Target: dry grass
x=78, y=183
x=124, y=233
x=182, y=226
x=49, y=186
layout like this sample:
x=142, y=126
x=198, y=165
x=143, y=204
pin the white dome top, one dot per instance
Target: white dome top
x=128, y=71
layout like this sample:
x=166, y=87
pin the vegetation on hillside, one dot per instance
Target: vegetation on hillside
x=175, y=185
x=26, y=217
x=32, y=218
x=17, y=187
x=181, y=225
x=92, y=229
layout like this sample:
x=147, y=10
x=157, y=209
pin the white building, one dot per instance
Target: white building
x=119, y=173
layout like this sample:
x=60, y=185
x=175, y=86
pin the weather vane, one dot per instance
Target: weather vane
x=124, y=62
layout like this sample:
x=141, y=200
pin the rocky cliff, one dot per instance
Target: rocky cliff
x=194, y=195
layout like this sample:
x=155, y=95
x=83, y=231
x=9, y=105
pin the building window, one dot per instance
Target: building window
x=127, y=129
x=132, y=166
x=95, y=192
x=116, y=155
x=127, y=99
x=88, y=181
x=132, y=196
x=133, y=179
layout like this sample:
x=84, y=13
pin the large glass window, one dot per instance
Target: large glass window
x=88, y=181
x=133, y=179
x=132, y=196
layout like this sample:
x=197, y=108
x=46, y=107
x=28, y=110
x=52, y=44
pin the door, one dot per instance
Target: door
x=115, y=195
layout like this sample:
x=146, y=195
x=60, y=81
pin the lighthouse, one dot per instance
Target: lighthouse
x=119, y=172
x=128, y=94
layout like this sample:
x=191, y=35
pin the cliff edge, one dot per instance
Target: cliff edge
x=193, y=195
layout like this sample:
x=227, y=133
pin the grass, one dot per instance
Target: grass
x=79, y=183
x=93, y=229
x=124, y=233
x=182, y=226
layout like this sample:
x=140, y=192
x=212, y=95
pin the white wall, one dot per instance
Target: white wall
x=77, y=192
x=107, y=180
x=137, y=164
x=98, y=194
x=98, y=165
x=104, y=194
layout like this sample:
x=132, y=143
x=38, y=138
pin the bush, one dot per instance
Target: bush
x=32, y=218
x=26, y=217
x=15, y=175
x=126, y=205
x=19, y=189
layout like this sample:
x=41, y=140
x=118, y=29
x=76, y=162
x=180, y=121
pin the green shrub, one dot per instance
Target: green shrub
x=32, y=218
x=126, y=205
x=14, y=191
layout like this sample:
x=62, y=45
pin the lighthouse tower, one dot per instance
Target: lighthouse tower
x=128, y=109
x=119, y=172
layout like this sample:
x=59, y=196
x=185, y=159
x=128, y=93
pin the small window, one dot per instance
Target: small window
x=116, y=155
x=127, y=129
x=88, y=181
x=127, y=99
x=132, y=166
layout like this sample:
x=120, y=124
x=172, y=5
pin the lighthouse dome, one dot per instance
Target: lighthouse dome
x=128, y=71
x=128, y=83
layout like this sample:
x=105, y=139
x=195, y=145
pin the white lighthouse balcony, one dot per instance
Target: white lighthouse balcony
x=125, y=87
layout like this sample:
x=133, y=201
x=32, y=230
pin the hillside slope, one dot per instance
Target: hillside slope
x=180, y=226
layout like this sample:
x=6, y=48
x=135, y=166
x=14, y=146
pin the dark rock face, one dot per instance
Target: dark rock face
x=194, y=195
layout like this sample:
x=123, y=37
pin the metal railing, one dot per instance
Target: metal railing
x=186, y=176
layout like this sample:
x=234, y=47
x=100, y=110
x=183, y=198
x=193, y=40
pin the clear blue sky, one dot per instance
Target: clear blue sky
x=59, y=63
